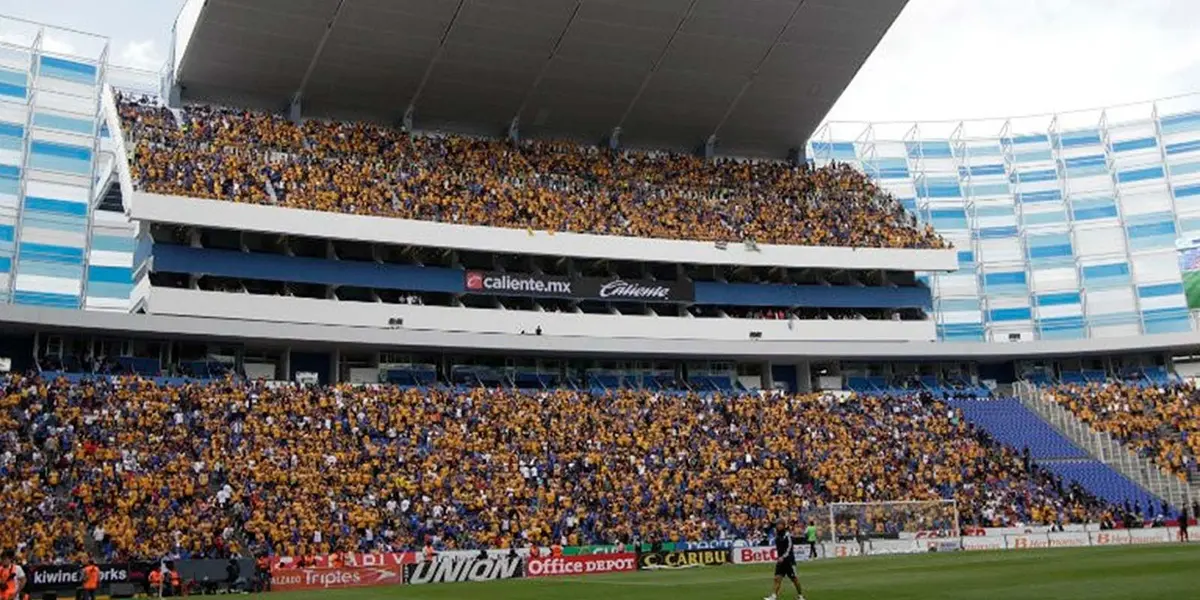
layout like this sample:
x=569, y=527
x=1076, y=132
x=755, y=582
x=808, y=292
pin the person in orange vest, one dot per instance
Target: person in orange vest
x=90, y=579
x=428, y=554
x=534, y=551
x=154, y=582
x=12, y=577
x=556, y=550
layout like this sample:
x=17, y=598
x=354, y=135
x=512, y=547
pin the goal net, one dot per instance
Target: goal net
x=854, y=528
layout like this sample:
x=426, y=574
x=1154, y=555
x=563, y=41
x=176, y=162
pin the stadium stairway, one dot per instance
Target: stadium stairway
x=1012, y=423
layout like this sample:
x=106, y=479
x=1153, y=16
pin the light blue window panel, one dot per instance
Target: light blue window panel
x=1051, y=217
x=1151, y=235
x=60, y=157
x=1135, y=175
x=68, y=70
x=1061, y=328
x=1045, y=249
x=50, y=253
x=966, y=259
x=1000, y=315
x=5, y=264
x=1122, y=318
x=992, y=233
x=1179, y=123
x=45, y=299
x=1183, y=147
x=960, y=332
x=50, y=205
x=1137, y=144
x=51, y=269
x=12, y=137
x=995, y=211
x=1035, y=176
x=1166, y=320
x=984, y=151
x=1189, y=168
x=1110, y=275
x=6, y=233
x=909, y=204
x=981, y=170
x=1032, y=138
x=115, y=291
x=1159, y=290
x=938, y=187
x=1006, y=284
x=59, y=122
x=1042, y=196
x=1091, y=160
x=929, y=149
x=948, y=218
x=1076, y=139
x=112, y=243
x=989, y=189
x=10, y=91
x=959, y=305
x=1087, y=209
x=53, y=222
x=10, y=180
x=1058, y=299
x=1189, y=225
x=110, y=274
x=889, y=168
x=1187, y=191
x=1032, y=156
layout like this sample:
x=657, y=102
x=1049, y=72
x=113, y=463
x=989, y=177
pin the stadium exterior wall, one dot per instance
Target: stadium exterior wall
x=1065, y=224
x=279, y=309
x=273, y=219
x=28, y=319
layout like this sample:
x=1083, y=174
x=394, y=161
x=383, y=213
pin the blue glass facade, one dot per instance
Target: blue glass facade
x=55, y=249
x=1065, y=229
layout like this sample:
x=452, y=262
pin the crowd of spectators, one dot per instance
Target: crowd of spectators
x=124, y=467
x=359, y=168
x=1160, y=422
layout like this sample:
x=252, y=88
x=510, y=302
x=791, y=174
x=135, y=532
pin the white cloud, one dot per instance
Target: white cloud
x=142, y=55
x=952, y=59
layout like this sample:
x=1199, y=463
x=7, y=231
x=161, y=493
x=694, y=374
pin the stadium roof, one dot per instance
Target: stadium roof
x=759, y=74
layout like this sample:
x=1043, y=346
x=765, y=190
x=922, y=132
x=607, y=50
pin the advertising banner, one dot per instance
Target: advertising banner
x=580, y=565
x=42, y=578
x=990, y=542
x=580, y=288
x=1048, y=540
x=586, y=550
x=1157, y=535
x=683, y=559
x=284, y=579
x=756, y=555
x=452, y=570
x=347, y=559
x=1189, y=266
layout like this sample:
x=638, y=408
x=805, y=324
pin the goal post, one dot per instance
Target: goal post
x=882, y=527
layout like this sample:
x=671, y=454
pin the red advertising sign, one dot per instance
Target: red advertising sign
x=283, y=580
x=581, y=565
x=752, y=555
x=348, y=559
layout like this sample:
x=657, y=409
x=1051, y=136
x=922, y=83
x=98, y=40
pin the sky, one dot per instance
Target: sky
x=941, y=60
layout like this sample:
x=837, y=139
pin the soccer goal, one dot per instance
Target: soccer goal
x=874, y=523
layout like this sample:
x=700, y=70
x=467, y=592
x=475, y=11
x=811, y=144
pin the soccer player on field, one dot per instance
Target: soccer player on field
x=785, y=564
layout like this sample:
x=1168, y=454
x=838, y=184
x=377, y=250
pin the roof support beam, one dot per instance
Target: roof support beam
x=437, y=56
x=657, y=63
x=549, y=59
x=758, y=67
x=312, y=63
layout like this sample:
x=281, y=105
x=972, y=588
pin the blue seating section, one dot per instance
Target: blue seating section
x=1007, y=420
x=1011, y=423
x=1105, y=483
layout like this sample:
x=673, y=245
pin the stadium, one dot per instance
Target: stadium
x=526, y=298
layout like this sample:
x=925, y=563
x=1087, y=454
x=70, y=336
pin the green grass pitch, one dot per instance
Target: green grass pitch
x=1168, y=572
